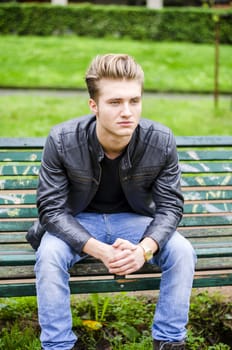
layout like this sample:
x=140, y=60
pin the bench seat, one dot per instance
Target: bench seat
x=206, y=164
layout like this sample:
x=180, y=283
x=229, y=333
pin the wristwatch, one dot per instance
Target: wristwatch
x=147, y=253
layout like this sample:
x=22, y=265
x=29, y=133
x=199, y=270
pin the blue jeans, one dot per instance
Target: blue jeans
x=54, y=257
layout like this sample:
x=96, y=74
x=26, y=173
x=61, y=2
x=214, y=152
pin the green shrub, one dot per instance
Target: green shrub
x=121, y=320
x=170, y=24
x=210, y=317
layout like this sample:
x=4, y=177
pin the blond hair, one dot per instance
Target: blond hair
x=112, y=66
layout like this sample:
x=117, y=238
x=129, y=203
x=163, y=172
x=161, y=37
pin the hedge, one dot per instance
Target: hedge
x=169, y=24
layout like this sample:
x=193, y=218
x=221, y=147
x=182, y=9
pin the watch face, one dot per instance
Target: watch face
x=148, y=255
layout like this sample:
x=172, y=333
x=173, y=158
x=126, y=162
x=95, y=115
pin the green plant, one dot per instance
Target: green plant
x=13, y=308
x=18, y=338
x=126, y=322
x=194, y=342
x=169, y=24
x=219, y=346
x=208, y=315
x=100, y=306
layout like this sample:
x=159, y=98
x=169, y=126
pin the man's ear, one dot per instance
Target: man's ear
x=93, y=106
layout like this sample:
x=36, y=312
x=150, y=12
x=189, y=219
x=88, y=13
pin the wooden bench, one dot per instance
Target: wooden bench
x=206, y=164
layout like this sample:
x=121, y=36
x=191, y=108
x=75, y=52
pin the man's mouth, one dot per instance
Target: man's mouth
x=126, y=123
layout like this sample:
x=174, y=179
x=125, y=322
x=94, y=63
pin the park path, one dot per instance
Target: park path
x=75, y=92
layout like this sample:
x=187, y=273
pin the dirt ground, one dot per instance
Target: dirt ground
x=226, y=292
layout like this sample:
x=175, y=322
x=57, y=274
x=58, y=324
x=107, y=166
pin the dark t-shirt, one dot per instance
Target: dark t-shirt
x=109, y=197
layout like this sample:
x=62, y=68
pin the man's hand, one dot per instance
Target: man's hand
x=99, y=250
x=120, y=258
x=126, y=260
x=129, y=257
x=123, y=244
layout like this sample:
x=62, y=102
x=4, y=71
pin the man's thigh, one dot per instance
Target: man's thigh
x=108, y=227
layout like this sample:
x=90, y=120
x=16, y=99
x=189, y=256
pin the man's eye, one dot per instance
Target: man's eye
x=114, y=103
x=136, y=100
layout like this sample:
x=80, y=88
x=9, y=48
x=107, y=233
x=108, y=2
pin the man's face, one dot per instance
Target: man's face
x=118, y=107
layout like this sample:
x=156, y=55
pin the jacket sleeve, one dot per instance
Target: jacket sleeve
x=52, y=195
x=168, y=198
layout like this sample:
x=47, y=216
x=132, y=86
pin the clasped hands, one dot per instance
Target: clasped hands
x=123, y=257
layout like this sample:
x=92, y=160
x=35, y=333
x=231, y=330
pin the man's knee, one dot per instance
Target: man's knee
x=179, y=251
x=52, y=253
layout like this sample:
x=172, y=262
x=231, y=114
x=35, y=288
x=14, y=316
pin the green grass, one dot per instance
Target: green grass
x=33, y=115
x=62, y=62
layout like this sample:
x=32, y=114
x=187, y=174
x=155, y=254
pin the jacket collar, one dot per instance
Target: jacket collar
x=97, y=150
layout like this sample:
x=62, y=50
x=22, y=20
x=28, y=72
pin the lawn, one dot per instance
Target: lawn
x=34, y=115
x=62, y=62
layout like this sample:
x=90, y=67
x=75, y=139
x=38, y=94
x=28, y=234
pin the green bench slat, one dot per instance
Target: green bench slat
x=181, y=141
x=27, y=271
x=21, y=258
x=32, y=156
x=188, y=208
x=214, y=263
x=206, y=167
x=19, y=170
x=17, y=289
x=213, y=280
x=13, y=198
x=16, y=249
x=18, y=184
x=98, y=269
x=208, y=208
x=12, y=237
x=19, y=237
x=213, y=252
x=202, y=181
x=20, y=156
x=212, y=241
x=216, y=194
x=186, y=181
x=17, y=272
x=15, y=226
x=205, y=155
x=206, y=220
x=203, y=141
x=117, y=285
x=198, y=242
x=205, y=232
x=18, y=213
x=22, y=142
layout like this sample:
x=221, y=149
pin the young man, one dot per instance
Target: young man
x=109, y=187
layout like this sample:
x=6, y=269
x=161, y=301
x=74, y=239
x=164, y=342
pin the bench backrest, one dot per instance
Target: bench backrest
x=206, y=164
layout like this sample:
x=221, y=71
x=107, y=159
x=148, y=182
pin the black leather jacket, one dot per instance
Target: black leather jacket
x=70, y=174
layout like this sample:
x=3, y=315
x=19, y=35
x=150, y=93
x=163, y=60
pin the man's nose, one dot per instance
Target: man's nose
x=126, y=111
